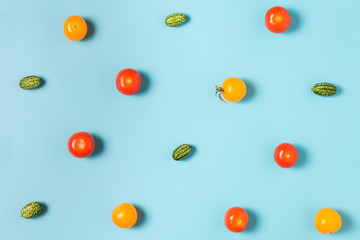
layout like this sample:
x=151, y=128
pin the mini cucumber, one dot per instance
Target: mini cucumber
x=175, y=19
x=31, y=210
x=30, y=82
x=181, y=152
x=324, y=89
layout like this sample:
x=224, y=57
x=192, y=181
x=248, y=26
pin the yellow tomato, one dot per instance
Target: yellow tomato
x=327, y=221
x=75, y=28
x=124, y=215
x=232, y=89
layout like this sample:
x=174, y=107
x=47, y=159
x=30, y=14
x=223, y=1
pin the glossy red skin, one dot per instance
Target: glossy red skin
x=277, y=19
x=236, y=219
x=285, y=155
x=81, y=144
x=128, y=81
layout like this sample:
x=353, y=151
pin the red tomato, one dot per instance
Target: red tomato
x=285, y=155
x=277, y=19
x=236, y=219
x=128, y=81
x=81, y=144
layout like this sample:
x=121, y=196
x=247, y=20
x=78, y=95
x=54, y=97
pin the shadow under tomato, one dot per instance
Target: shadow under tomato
x=99, y=146
x=252, y=223
x=141, y=216
x=302, y=157
x=295, y=21
x=346, y=222
x=250, y=92
x=90, y=29
x=145, y=83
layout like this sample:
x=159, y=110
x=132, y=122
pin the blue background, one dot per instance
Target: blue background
x=232, y=164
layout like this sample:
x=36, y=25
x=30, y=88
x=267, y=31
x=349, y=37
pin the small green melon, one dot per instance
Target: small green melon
x=181, y=152
x=31, y=210
x=175, y=19
x=30, y=82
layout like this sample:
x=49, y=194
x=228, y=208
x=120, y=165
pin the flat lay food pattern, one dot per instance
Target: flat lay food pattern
x=233, y=89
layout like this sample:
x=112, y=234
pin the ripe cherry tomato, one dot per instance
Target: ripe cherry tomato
x=285, y=155
x=81, y=144
x=232, y=89
x=124, y=215
x=236, y=219
x=327, y=221
x=75, y=28
x=277, y=19
x=128, y=81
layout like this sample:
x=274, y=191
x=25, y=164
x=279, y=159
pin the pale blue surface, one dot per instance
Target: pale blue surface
x=233, y=163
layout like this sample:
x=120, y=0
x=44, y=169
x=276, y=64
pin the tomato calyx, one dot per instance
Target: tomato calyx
x=219, y=93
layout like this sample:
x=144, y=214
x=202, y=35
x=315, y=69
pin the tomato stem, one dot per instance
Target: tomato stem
x=219, y=93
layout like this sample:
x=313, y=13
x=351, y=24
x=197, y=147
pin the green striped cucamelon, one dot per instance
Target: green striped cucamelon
x=324, y=89
x=181, y=152
x=30, y=82
x=175, y=19
x=31, y=210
